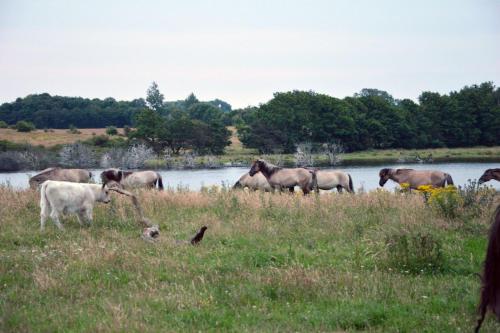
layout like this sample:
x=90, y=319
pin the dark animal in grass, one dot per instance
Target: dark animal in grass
x=199, y=236
x=489, y=175
x=490, y=290
x=196, y=239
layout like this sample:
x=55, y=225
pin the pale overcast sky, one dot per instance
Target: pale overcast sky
x=243, y=51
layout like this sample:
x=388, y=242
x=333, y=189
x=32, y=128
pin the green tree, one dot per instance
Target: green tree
x=154, y=98
x=25, y=126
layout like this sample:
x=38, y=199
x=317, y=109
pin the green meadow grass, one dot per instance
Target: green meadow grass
x=379, y=262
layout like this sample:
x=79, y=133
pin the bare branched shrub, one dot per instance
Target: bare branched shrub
x=189, y=160
x=132, y=158
x=303, y=155
x=333, y=150
x=77, y=155
x=137, y=155
x=211, y=162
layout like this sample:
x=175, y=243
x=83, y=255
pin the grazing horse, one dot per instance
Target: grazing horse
x=256, y=182
x=490, y=290
x=489, y=175
x=132, y=179
x=281, y=178
x=415, y=178
x=330, y=179
x=59, y=174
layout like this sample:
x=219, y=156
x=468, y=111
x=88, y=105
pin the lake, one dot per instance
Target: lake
x=363, y=176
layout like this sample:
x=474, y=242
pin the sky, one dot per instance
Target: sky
x=244, y=51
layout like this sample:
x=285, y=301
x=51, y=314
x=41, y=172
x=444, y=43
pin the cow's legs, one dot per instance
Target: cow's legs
x=88, y=216
x=43, y=218
x=55, y=217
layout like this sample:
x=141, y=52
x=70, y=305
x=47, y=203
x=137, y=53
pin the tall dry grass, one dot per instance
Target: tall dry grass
x=268, y=262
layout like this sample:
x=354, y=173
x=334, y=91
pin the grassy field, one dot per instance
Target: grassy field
x=52, y=137
x=379, y=262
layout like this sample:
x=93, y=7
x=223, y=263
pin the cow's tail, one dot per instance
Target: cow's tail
x=159, y=181
x=448, y=179
x=351, y=187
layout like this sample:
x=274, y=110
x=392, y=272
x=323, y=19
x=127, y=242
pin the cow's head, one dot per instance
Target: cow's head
x=104, y=194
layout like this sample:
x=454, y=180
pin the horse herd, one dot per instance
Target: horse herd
x=64, y=190
x=263, y=176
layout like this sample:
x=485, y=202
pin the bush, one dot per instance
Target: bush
x=414, y=252
x=476, y=197
x=73, y=130
x=445, y=200
x=25, y=126
x=111, y=130
x=3, y=124
x=127, y=130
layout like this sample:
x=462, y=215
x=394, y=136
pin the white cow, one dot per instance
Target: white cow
x=65, y=197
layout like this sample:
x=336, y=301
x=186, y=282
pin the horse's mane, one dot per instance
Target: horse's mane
x=491, y=274
x=43, y=172
x=404, y=170
x=126, y=173
x=269, y=167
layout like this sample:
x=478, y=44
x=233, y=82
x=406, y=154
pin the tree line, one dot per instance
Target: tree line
x=46, y=111
x=373, y=119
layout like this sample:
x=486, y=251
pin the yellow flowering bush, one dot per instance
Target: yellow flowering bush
x=446, y=200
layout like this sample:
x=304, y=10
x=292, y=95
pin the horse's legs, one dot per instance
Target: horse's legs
x=291, y=189
x=339, y=188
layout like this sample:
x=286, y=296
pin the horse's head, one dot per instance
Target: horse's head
x=487, y=176
x=384, y=175
x=111, y=175
x=256, y=167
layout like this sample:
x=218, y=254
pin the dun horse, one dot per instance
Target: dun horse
x=490, y=291
x=67, y=175
x=330, y=179
x=415, y=178
x=489, y=175
x=281, y=178
x=133, y=179
x=256, y=182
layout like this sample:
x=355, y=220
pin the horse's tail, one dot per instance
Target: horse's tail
x=351, y=187
x=314, y=184
x=448, y=179
x=491, y=274
x=159, y=181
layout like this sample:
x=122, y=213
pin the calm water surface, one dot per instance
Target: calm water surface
x=363, y=176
